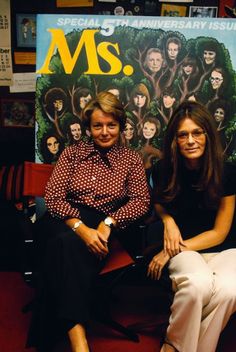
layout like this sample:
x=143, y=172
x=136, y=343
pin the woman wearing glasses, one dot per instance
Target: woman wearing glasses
x=217, y=78
x=218, y=86
x=195, y=199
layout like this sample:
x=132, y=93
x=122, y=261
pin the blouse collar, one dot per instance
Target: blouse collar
x=111, y=155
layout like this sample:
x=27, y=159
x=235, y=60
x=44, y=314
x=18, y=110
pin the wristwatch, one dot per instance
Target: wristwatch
x=109, y=222
x=76, y=225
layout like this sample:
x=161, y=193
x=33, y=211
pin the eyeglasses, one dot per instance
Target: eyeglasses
x=184, y=136
x=216, y=79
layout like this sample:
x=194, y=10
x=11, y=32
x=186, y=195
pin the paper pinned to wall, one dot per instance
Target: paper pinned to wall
x=5, y=49
x=24, y=58
x=23, y=82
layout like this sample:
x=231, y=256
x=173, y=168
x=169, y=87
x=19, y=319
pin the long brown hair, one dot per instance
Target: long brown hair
x=140, y=89
x=210, y=180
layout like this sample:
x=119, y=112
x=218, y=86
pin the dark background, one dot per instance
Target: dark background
x=17, y=144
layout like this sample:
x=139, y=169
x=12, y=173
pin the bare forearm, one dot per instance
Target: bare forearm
x=204, y=240
x=162, y=213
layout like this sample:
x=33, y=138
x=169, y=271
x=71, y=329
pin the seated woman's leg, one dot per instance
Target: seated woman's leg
x=67, y=273
x=69, y=270
x=223, y=302
x=192, y=282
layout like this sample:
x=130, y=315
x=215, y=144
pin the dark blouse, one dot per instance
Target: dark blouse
x=189, y=210
x=113, y=183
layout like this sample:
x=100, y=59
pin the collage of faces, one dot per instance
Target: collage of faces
x=168, y=71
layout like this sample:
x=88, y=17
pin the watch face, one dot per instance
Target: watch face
x=76, y=225
x=108, y=221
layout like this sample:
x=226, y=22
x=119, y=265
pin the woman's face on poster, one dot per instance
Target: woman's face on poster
x=84, y=100
x=172, y=50
x=58, y=104
x=128, y=131
x=149, y=130
x=154, y=61
x=168, y=101
x=219, y=114
x=188, y=69
x=115, y=92
x=140, y=100
x=216, y=79
x=53, y=145
x=209, y=56
x=75, y=131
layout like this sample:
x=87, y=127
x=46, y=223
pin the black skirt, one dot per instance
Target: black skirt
x=66, y=271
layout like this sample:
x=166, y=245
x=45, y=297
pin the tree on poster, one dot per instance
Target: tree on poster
x=151, y=63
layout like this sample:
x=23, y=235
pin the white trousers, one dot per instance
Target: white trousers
x=205, y=298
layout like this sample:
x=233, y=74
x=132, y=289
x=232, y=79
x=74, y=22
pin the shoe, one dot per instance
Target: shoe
x=163, y=341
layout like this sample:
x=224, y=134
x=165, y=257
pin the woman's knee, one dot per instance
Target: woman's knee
x=197, y=287
x=188, y=262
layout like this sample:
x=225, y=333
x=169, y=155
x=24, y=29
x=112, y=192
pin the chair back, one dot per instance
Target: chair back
x=11, y=183
x=35, y=178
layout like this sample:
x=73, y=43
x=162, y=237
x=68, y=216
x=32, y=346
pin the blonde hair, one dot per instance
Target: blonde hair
x=108, y=103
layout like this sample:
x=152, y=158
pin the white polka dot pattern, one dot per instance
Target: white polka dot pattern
x=114, y=184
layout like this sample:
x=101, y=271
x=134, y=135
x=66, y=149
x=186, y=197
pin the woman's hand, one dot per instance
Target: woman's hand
x=104, y=229
x=172, y=237
x=94, y=240
x=157, y=264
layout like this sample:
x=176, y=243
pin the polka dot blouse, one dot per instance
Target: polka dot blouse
x=113, y=183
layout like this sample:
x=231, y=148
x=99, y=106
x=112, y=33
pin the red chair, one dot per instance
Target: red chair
x=35, y=179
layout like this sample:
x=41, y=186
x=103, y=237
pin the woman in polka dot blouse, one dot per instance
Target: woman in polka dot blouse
x=96, y=185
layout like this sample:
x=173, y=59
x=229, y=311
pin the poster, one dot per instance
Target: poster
x=24, y=58
x=17, y=112
x=74, y=3
x=203, y=11
x=151, y=63
x=26, y=30
x=173, y=10
x=5, y=47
